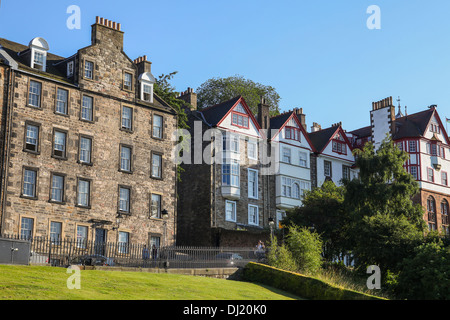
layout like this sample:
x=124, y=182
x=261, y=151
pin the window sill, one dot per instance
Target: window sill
x=28, y=197
x=32, y=152
x=89, y=164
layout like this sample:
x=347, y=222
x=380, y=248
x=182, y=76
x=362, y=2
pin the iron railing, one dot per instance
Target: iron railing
x=67, y=252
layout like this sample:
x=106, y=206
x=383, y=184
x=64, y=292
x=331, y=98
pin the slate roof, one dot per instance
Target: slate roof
x=215, y=113
x=19, y=52
x=320, y=138
x=413, y=125
x=277, y=122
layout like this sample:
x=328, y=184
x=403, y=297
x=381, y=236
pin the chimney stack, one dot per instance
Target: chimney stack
x=143, y=65
x=301, y=116
x=263, y=114
x=382, y=119
x=104, y=31
x=316, y=127
x=190, y=97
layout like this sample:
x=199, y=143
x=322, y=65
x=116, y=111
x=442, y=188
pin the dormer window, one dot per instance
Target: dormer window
x=39, y=48
x=146, y=87
x=70, y=68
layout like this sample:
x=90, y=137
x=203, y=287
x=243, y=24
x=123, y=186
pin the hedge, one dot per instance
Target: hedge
x=300, y=285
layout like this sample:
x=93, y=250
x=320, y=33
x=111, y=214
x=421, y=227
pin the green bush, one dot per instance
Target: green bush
x=300, y=285
x=280, y=257
x=306, y=249
x=425, y=275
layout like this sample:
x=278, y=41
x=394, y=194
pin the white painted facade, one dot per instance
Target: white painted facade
x=332, y=164
x=293, y=177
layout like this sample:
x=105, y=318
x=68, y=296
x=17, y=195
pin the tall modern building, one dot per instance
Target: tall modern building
x=85, y=143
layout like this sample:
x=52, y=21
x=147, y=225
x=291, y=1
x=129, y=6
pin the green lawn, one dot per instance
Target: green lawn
x=50, y=283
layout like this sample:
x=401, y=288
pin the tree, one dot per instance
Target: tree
x=384, y=187
x=322, y=209
x=218, y=90
x=306, y=249
x=385, y=223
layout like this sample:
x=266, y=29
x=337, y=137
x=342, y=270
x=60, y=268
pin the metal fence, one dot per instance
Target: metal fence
x=67, y=252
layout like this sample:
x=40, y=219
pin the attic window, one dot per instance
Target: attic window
x=39, y=48
x=292, y=133
x=70, y=65
x=146, y=80
x=339, y=147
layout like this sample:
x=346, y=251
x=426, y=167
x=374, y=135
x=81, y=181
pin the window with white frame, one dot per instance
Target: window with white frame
x=412, y=146
x=83, y=196
x=252, y=150
x=230, y=173
x=345, y=172
x=413, y=171
x=127, y=118
x=286, y=187
x=253, y=216
x=127, y=81
x=124, y=199
x=29, y=183
x=57, y=192
x=296, y=190
x=82, y=236
x=39, y=60
x=89, y=69
x=59, y=144
x=124, y=238
x=26, y=228
x=430, y=174
x=156, y=165
x=32, y=138
x=230, y=210
x=147, y=92
x=125, y=158
x=155, y=206
x=444, y=179
x=61, y=101
x=230, y=142
x=303, y=159
x=34, y=94
x=55, y=232
x=87, y=108
x=327, y=168
x=157, y=126
x=286, y=155
x=85, y=149
x=253, y=184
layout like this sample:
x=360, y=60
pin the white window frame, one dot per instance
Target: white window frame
x=253, y=185
x=145, y=92
x=305, y=160
x=252, y=150
x=39, y=65
x=232, y=216
x=253, y=217
x=286, y=155
x=231, y=169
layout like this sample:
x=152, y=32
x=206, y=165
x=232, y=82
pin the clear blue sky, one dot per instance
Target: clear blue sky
x=318, y=55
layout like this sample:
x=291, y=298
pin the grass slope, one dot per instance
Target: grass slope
x=50, y=283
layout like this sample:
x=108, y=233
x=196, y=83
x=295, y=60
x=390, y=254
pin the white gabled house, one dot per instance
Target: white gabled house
x=333, y=159
x=290, y=140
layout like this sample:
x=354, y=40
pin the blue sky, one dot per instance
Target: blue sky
x=318, y=55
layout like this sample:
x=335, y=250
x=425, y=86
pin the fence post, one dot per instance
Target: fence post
x=50, y=252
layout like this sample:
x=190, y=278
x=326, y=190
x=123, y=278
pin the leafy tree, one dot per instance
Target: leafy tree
x=218, y=90
x=306, y=249
x=384, y=240
x=322, y=209
x=384, y=187
x=385, y=224
x=425, y=275
x=280, y=257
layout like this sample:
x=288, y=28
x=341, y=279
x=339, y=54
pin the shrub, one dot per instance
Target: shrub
x=425, y=275
x=306, y=249
x=280, y=257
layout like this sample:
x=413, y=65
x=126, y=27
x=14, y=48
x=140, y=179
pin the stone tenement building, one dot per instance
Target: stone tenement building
x=86, y=144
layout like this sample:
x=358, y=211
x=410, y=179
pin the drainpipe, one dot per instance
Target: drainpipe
x=6, y=144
